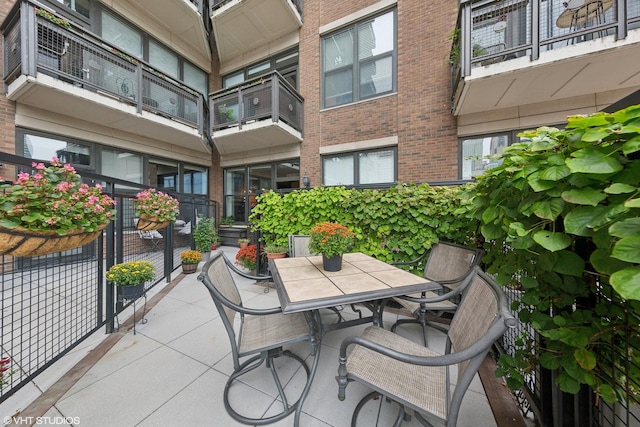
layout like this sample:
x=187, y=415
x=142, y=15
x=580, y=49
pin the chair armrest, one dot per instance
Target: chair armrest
x=236, y=270
x=413, y=261
x=446, y=296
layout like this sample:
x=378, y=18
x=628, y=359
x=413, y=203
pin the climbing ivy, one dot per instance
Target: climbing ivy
x=393, y=224
x=561, y=221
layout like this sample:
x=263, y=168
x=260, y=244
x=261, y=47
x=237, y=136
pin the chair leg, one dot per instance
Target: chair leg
x=402, y=416
x=252, y=364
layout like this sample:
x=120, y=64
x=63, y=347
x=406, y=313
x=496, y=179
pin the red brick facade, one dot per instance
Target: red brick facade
x=418, y=114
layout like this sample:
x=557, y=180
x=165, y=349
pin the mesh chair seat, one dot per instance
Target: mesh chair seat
x=264, y=332
x=417, y=377
x=422, y=387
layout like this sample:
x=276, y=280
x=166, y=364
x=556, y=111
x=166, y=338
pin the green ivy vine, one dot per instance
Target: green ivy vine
x=561, y=221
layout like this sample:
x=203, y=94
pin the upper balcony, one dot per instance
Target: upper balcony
x=240, y=26
x=509, y=53
x=52, y=65
x=259, y=113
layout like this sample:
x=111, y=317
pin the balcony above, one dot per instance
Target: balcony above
x=51, y=65
x=241, y=26
x=181, y=19
x=505, y=61
x=257, y=114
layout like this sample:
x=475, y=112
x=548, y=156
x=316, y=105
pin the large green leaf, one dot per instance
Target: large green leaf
x=631, y=146
x=585, y=358
x=633, y=203
x=625, y=228
x=552, y=241
x=584, y=196
x=595, y=135
x=555, y=173
x=548, y=209
x=569, y=263
x=619, y=188
x=627, y=249
x=590, y=160
x=538, y=184
x=580, y=219
x=492, y=231
x=626, y=282
x=601, y=260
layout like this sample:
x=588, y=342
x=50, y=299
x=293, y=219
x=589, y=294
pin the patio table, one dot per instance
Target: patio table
x=304, y=286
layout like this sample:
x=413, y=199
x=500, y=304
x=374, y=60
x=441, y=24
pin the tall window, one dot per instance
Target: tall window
x=359, y=62
x=360, y=168
x=285, y=63
x=243, y=184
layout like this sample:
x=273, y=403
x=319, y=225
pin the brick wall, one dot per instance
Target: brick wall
x=419, y=114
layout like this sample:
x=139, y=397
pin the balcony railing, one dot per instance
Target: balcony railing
x=217, y=4
x=36, y=41
x=496, y=31
x=269, y=97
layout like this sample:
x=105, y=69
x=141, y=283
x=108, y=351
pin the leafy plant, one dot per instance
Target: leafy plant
x=247, y=257
x=191, y=257
x=561, y=220
x=52, y=18
x=204, y=234
x=131, y=273
x=275, y=249
x=330, y=239
x=53, y=198
x=157, y=204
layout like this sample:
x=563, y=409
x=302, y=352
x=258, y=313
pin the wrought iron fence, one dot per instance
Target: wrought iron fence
x=51, y=303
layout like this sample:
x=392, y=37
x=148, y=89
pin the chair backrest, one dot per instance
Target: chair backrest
x=224, y=292
x=299, y=245
x=482, y=318
x=449, y=261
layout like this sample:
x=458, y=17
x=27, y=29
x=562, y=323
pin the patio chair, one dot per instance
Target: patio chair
x=153, y=237
x=448, y=264
x=418, y=378
x=262, y=333
x=298, y=245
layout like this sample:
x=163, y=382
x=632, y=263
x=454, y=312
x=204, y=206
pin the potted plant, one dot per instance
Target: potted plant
x=154, y=209
x=5, y=371
x=204, y=234
x=243, y=243
x=51, y=210
x=190, y=260
x=331, y=240
x=274, y=251
x=247, y=257
x=131, y=277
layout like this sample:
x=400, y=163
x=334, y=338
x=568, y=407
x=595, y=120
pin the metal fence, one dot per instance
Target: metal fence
x=51, y=303
x=543, y=400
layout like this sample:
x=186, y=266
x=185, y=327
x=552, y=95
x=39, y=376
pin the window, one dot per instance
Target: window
x=80, y=6
x=41, y=147
x=359, y=62
x=477, y=153
x=122, y=165
x=360, y=168
x=285, y=63
x=243, y=184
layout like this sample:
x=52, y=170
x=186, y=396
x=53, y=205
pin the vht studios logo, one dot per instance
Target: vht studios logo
x=45, y=421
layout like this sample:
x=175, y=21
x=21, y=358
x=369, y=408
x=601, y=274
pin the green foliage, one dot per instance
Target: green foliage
x=395, y=224
x=204, y=234
x=561, y=221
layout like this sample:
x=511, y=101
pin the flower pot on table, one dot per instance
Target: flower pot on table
x=333, y=263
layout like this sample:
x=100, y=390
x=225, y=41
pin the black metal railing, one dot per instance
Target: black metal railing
x=268, y=97
x=38, y=41
x=49, y=304
x=488, y=32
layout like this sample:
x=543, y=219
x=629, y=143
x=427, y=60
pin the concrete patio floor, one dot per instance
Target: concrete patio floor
x=173, y=372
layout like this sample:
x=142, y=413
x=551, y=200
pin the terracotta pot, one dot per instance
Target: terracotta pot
x=276, y=255
x=243, y=245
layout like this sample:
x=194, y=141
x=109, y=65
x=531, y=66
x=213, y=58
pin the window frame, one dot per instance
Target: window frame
x=357, y=62
x=356, y=166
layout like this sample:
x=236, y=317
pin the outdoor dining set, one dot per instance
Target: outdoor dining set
x=410, y=374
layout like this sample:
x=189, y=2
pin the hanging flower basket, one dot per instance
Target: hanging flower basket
x=155, y=209
x=20, y=242
x=51, y=210
x=149, y=222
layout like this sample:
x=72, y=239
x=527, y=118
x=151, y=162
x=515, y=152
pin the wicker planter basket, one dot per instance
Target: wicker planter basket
x=148, y=223
x=27, y=243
